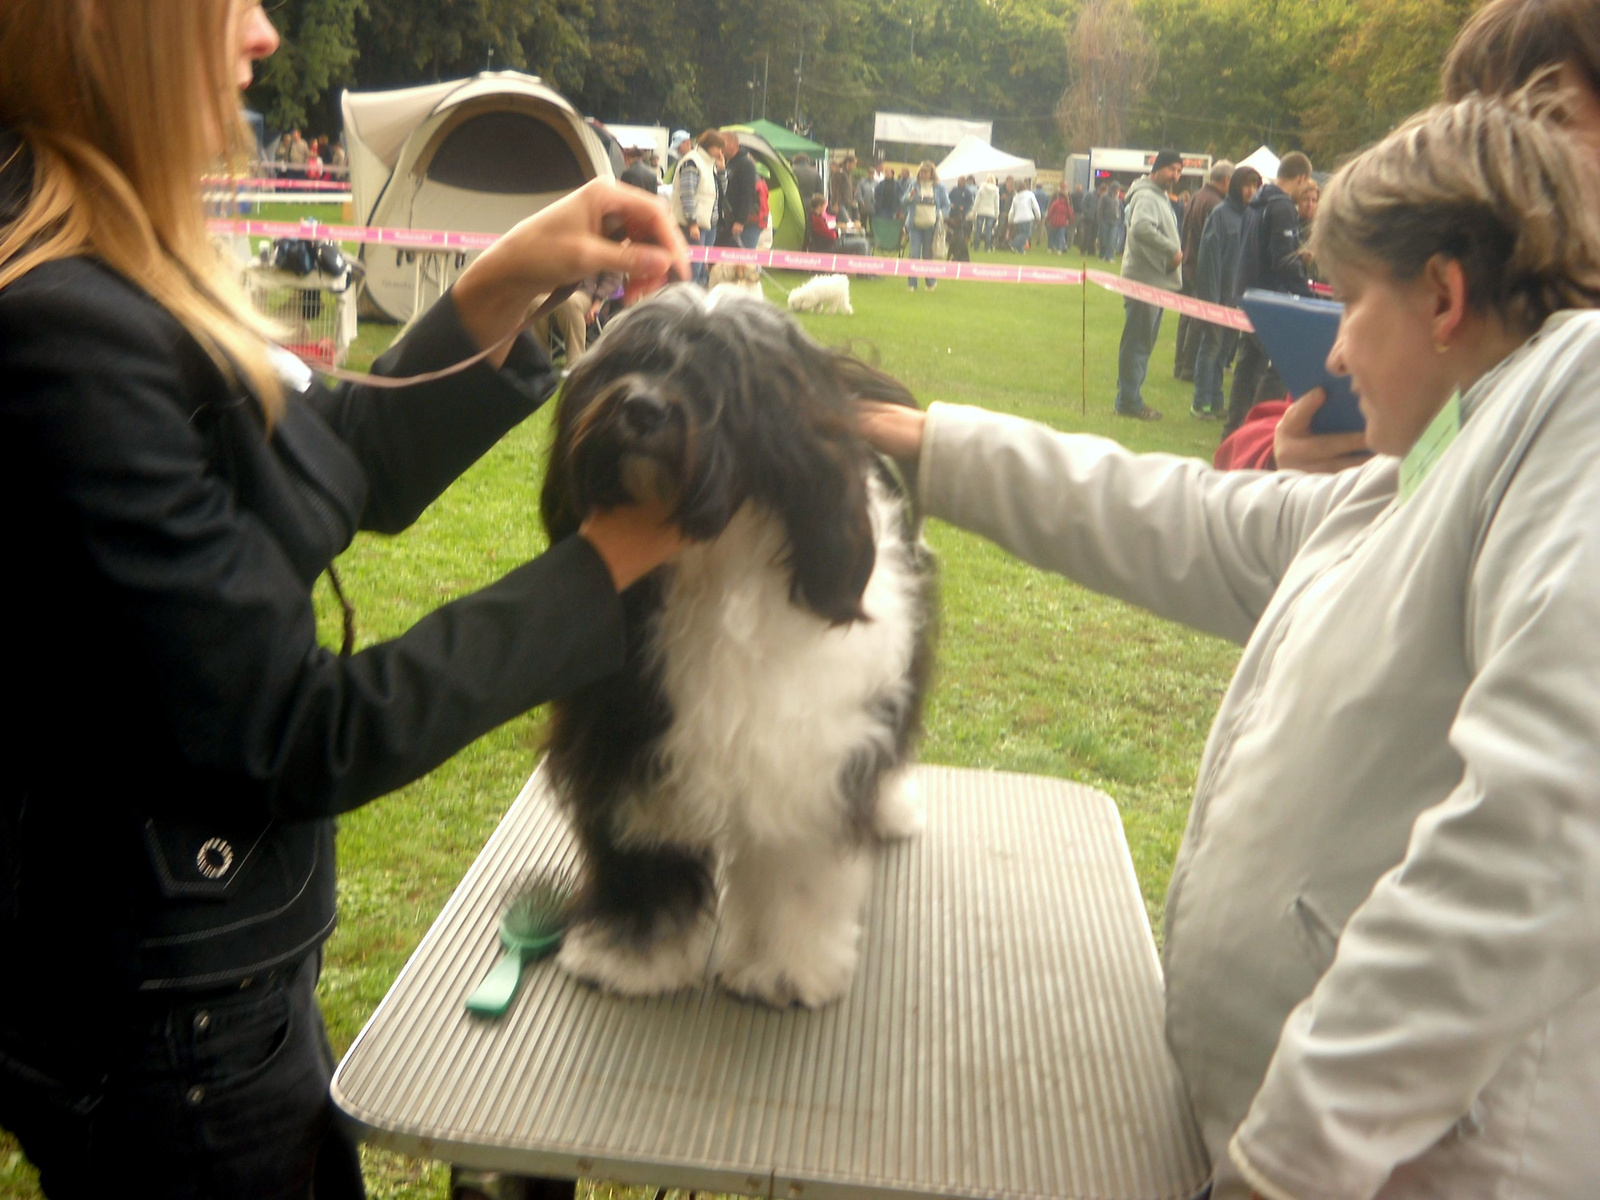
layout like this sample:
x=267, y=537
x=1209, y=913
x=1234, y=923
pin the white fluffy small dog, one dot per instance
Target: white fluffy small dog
x=824, y=294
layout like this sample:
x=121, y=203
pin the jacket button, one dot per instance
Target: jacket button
x=195, y=1095
x=214, y=859
x=202, y=1021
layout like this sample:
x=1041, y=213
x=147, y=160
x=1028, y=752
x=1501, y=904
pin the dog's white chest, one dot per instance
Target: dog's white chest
x=765, y=694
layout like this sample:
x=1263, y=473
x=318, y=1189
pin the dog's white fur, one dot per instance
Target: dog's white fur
x=769, y=702
x=823, y=294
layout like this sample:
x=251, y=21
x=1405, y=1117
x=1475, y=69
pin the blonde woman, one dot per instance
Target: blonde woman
x=1382, y=951
x=926, y=203
x=180, y=741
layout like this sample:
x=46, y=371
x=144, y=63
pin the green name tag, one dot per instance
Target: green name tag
x=1430, y=447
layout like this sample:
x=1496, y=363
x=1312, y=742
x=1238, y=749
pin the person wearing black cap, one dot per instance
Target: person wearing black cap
x=1153, y=255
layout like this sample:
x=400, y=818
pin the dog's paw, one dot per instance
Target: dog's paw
x=594, y=953
x=899, y=814
x=809, y=984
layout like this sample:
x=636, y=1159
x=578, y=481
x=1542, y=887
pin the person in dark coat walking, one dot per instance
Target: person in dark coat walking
x=1269, y=258
x=1194, y=224
x=806, y=177
x=1215, y=264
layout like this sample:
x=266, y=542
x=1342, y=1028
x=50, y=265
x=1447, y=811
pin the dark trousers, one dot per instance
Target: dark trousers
x=1253, y=380
x=1189, y=335
x=200, y=1097
x=1217, y=345
x=1140, y=328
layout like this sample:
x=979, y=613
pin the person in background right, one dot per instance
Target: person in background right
x=1504, y=47
x=1269, y=259
x=1215, y=261
x=1305, y=208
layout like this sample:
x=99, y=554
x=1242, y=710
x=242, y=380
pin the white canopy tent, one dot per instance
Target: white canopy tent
x=974, y=156
x=1263, y=160
x=468, y=156
x=641, y=137
x=927, y=131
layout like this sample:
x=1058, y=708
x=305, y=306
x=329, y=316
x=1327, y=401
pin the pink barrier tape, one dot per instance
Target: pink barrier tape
x=403, y=239
x=903, y=268
x=792, y=260
x=214, y=182
x=1215, y=314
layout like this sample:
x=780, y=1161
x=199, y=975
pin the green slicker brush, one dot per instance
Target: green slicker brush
x=530, y=929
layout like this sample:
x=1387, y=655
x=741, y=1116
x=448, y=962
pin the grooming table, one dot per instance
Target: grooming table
x=1001, y=1038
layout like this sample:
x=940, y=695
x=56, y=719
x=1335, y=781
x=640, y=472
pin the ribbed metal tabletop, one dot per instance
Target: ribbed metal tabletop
x=1002, y=1037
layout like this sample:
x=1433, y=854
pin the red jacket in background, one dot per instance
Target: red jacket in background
x=1249, y=447
x=1059, y=215
x=824, y=228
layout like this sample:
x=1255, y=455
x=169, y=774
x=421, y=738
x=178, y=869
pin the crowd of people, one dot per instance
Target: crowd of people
x=296, y=157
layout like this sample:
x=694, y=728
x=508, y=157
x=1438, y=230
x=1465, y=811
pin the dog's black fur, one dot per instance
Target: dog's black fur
x=730, y=405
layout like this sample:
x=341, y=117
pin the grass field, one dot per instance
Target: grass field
x=1036, y=674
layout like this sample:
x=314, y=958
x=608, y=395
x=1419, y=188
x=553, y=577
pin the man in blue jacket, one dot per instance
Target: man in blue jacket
x=1154, y=256
x=1269, y=258
x=1216, y=262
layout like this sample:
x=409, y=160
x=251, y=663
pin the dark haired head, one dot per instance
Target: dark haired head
x=1242, y=178
x=709, y=405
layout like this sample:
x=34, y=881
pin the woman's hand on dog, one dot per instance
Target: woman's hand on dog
x=633, y=539
x=603, y=226
x=892, y=429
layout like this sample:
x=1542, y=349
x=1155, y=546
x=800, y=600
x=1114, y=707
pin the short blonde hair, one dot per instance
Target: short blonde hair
x=1485, y=183
x=119, y=106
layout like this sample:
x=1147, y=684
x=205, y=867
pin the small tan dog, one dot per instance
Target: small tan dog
x=742, y=277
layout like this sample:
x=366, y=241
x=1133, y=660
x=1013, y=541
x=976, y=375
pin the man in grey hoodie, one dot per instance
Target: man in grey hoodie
x=1154, y=256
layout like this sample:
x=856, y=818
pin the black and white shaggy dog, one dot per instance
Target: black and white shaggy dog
x=736, y=775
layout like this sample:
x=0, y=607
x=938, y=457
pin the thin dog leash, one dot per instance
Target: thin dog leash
x=392, y=382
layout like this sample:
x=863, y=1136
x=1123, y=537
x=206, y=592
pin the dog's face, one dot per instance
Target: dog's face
x=709, y=405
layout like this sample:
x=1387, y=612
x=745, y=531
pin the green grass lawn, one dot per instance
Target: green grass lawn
x=1036, y=674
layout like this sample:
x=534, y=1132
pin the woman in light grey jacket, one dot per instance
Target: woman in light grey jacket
x=1383, y=929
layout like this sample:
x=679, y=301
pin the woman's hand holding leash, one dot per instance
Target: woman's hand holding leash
x=603, y=226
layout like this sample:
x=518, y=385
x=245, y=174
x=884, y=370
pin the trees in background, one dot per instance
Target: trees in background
x=1054, y=75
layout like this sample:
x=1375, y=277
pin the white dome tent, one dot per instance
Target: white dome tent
x=470, y=156
x=976, y=157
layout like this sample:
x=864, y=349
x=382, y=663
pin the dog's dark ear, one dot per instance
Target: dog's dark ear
x=822, y=499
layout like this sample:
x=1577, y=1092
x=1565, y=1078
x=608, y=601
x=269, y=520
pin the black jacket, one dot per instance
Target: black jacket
x=181, y=739
x=1269, y=246
x=740, y=202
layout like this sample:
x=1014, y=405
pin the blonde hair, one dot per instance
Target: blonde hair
x=120, y=107
x=1483, y=182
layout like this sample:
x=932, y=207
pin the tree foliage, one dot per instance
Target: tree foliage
x=1208, y=75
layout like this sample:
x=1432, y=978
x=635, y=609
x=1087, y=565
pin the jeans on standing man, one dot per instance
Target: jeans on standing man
x=750, y=236
x=983, y=233
x=1140, y=328
x=1217, y=345
x=1058, y=239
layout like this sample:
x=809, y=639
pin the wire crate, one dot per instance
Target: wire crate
x=318, y=323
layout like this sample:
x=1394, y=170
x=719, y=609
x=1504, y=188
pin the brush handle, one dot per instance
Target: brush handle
x=493, y=995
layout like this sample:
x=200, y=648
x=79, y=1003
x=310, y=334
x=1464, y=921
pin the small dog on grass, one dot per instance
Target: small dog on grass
x=823, y=294
x=754, y=749
x=740, y=277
